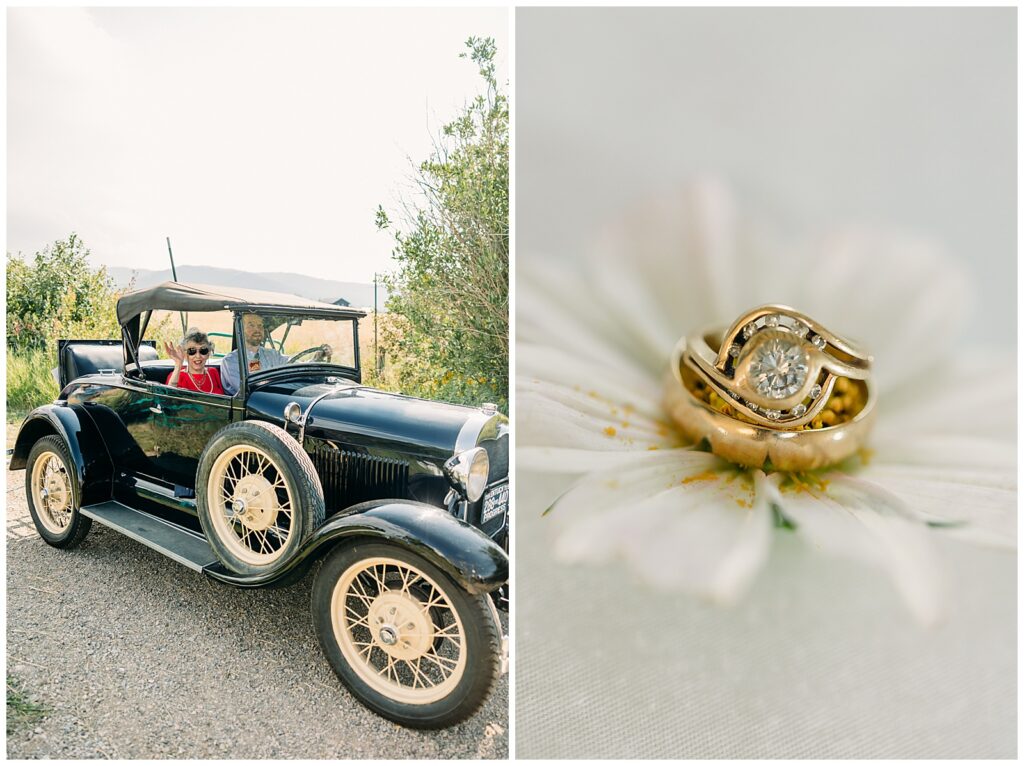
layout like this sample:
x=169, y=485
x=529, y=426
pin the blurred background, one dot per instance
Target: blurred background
x=902, y=117
x=897, y=118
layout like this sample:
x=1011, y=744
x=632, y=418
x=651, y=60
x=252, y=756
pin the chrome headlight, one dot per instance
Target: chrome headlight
x=468, y=471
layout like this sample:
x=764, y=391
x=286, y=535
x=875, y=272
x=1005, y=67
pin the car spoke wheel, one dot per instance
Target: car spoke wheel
x=51, y=491
x=251, y=503
x=398, y=630
x=258, y=497
x=51, y=486
x=405, y=638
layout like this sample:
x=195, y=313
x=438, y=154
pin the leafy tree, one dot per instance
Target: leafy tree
x=58, y=294
x=451, y=246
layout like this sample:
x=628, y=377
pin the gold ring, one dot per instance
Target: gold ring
x=776, y=390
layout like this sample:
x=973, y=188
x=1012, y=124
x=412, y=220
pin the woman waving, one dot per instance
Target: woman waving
x=192, y=355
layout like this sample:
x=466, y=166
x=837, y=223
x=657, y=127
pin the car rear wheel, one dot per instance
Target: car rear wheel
x=259, y=496
x=53, y=494
x=405, y=639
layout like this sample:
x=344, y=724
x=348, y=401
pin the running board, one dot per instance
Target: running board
x=173, y=541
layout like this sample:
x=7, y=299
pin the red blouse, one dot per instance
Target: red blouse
x=207, y=383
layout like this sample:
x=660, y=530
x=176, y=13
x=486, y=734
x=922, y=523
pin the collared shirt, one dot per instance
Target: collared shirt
x=263, y=359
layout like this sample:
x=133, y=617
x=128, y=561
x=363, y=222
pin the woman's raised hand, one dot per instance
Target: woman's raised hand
x=176, y=353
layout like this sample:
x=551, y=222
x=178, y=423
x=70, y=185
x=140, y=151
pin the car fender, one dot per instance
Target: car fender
x=461, y=551
x=85, y=445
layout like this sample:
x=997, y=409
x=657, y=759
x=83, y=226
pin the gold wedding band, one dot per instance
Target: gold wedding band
x=775, y=390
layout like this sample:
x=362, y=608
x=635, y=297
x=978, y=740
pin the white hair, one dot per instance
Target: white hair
x=195, y=335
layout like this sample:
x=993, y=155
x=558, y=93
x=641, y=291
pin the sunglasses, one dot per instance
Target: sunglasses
x=204, y=351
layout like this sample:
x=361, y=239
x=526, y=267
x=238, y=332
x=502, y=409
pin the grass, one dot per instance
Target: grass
x=29, y=382
x=21, y=710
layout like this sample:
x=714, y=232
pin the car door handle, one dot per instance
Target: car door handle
x=156, y=410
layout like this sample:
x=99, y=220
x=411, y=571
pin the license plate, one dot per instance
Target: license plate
x=495, y=503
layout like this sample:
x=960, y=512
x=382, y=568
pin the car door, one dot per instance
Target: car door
x=183, y=423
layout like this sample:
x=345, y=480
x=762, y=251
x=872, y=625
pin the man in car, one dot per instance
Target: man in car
x=259, y=357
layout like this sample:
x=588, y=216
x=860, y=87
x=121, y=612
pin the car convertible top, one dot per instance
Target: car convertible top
x=182, y=296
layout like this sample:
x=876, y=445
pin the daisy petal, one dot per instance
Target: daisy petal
x=851, y=518
x=619, y=386
x=569, y=460
x=965, y=486
x=546, y=421
x=569, y=320
x=977, y=398
x=942, y=452
x=927, y=296
x=676, y=255
x=683, y=520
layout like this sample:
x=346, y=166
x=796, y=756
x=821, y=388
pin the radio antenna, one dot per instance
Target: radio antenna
x=174, y=274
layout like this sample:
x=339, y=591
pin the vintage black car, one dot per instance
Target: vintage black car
x=401, y=502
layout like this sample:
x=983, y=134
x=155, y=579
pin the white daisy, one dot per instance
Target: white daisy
x=592, y=349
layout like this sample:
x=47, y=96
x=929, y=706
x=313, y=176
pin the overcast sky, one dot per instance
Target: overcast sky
x=258, y=139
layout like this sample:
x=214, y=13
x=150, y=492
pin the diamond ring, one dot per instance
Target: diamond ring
x=776, y=390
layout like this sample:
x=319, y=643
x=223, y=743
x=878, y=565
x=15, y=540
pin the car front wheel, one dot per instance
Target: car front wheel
x=258, y=496
x=404, y=638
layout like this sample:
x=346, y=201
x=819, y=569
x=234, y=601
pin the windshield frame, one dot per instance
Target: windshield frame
x=354, y=373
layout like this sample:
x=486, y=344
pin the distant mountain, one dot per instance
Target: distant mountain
x=358, y=294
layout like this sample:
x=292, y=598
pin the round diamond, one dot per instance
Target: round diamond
x=771, y=320
x=816, y=391
x=734, y=350
x=799, y=410
x=749, y=330
x=778, y=368
x=818, y=342
x=773, y=414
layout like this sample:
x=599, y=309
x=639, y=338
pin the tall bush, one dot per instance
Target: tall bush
x=57, y=294
x=451, y=247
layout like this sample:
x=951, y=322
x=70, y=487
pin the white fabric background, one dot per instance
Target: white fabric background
x=820, y=660
x=895, y=116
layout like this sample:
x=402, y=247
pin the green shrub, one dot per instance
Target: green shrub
x=57, y=294
x=29, y=382
x=451, y=248
x=53, y=294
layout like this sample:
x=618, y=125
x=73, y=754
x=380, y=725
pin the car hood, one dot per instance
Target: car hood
x=367, y=417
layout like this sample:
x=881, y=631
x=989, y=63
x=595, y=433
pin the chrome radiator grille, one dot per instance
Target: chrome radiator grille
x=497, y=455
x=353, y=477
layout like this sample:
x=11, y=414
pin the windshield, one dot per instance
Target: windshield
x=280, y=338
x=290, y=339
x=171, y=326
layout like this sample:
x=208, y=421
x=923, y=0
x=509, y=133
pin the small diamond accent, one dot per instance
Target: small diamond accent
x=799, y=410
x=771, y=321
x=816, y=391
x=800, y=328
x=734, y=350
x=749, y=330
x=778, y=368
x=772, y=414
x=818, y=342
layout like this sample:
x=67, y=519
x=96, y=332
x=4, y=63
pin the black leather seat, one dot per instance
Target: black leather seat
x=157, y=371
x=87, y=357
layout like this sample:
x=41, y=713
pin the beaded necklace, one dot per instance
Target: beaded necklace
x=206, y=374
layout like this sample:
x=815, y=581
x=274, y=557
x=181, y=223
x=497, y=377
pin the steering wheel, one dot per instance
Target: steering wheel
x=323, y=353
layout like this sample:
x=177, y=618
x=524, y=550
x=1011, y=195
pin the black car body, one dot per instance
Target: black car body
x=385, y=467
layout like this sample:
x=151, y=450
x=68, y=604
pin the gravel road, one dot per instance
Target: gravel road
x=138, y=657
